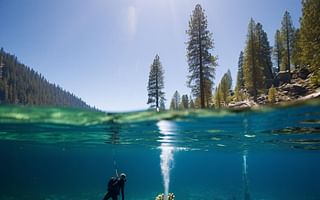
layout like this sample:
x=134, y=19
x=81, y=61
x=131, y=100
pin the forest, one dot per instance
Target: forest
x=266, y=75
x=21, y=85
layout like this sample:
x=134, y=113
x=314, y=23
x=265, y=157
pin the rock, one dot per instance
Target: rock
x=293, y=86
x=262, y=99
x=285, y=92
x=242, y=104
x=314, y=95
x=303, y=73
x=295, y=89
x=282, y=78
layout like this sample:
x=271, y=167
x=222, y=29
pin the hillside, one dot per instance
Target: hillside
x=20, y=84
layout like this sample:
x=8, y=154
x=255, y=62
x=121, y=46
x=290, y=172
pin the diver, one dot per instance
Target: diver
x=115, y=186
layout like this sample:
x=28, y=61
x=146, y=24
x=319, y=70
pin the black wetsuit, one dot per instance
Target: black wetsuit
x=115, y=186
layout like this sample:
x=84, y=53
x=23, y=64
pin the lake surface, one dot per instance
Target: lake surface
x=59, y=153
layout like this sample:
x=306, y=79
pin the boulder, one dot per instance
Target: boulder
x=282, y=78
x=303, y=73
x=295, y=89
x=242, y=104
x=262, y=99
x=313, y=95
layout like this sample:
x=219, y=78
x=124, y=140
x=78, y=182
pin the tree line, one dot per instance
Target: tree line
x=21, y=85
x=294, y=48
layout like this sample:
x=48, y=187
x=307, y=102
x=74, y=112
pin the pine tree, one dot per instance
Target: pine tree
x=309, y=40
x=172, y=105
x=264, y=55
x=224, y=87
x=240, y=81
x=278, y=49
x=175, y=101
x=191, y=103
x=217, y=97
x=229, y=79
x=201, y=63
x=156, y=84
x=162, y=104
x=185, y=101
x=296, y=52
x=287, y=35
x=208, y=93
x=252, y=72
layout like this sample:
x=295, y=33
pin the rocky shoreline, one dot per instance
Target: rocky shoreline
x=297, y=88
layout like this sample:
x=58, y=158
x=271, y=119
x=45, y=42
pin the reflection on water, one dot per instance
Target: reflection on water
x=247, y=134
x=113, y=131
x=245, y=177
x=167, y=129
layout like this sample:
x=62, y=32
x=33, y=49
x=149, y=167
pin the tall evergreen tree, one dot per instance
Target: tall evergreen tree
x=296, y=52
x=225, y=86
x=201, y=63
x=156, y=84
x=264, y=55
x=191, y=103
x=309, y=40
x=162, y=104
x=217, y=97
x=175, y=101
x=240, y=81
x=185, y=101
x=278, y=49
x=252, y=72
x=229, y=79
x=287, y=34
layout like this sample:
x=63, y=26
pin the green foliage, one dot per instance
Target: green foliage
x=309, y=37
x=175, y=101
x=272, y=94
x=253, y=73
x=184, y=102
x=156, y=84
x=201, y=63
x=287, y=33
x=264, y=55
x=278, y=49
x=217, y=97
x=20, y=84
x=191, y=104
x=296, y=51
x=240, y=81
x=224, y=88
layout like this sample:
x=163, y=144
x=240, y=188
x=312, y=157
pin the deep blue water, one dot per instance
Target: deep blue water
x=55, y=153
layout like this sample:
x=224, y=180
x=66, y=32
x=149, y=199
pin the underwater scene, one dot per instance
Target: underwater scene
x=59, y=153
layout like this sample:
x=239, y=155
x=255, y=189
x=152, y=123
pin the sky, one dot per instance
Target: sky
x=101, y=50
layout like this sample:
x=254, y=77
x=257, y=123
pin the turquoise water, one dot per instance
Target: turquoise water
x=56, y=153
